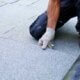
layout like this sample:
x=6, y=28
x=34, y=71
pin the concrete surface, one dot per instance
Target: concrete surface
x=20, y=56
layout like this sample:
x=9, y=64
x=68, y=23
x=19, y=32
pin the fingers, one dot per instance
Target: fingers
x=43, y=44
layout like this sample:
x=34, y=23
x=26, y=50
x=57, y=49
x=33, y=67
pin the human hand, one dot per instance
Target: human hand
x=47, y=38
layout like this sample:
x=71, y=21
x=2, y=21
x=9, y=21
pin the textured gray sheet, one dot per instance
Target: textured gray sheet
x=67, y=39
x=20, y=56
x=29, y=62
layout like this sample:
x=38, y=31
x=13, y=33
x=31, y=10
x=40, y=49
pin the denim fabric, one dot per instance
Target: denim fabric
x=38, y=27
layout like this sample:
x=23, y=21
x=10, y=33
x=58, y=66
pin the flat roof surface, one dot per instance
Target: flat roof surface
x=20, y=56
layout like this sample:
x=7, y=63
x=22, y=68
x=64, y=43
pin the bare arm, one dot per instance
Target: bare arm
x=53, y=13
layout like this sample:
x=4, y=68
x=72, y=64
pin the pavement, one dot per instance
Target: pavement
x=20, y=56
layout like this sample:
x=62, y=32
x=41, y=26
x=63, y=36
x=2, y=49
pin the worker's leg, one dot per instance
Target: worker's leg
x=78, y=14
x=38, y=28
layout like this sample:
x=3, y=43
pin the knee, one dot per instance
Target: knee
x=38, y=28
x=37, y=31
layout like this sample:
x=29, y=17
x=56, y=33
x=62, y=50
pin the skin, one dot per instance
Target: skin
x=53, y=13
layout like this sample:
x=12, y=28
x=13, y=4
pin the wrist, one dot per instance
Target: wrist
x=53, y=26
x=49, y=34
x=50, y=30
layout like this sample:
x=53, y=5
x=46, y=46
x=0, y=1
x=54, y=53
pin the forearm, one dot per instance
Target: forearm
x=53, y=13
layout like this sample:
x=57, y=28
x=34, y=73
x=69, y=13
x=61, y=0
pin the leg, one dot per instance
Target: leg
x=38, y=28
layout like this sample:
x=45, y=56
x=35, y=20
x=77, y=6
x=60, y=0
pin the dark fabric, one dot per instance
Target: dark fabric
x=38, y=27
x=67, y=3
x=78, y=15
x=69, y=9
